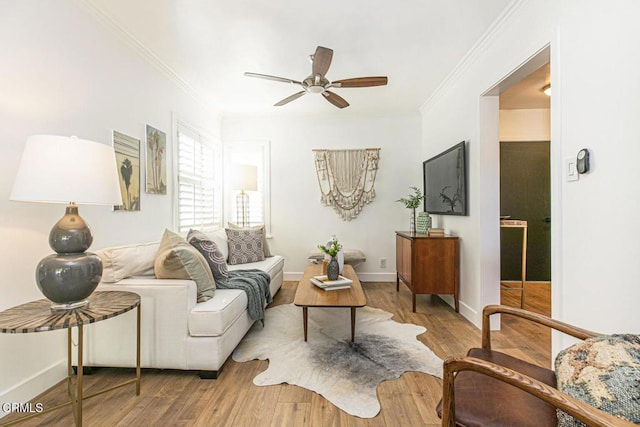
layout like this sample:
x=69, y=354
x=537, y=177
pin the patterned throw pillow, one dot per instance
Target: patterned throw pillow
x=245, y=245
x=265, y=245
x=211, y=253
x=604, y=372
x=177, y=259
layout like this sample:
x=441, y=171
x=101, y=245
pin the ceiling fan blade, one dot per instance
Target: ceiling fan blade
x=322, y=60
x=274, y=78
x=336, y=100
x=361, y=82
x=290, y=98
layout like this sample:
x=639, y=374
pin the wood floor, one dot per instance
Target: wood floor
x=177, y=398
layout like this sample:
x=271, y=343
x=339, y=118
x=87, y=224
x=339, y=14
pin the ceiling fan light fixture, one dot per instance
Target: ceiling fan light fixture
x=546, y=89
x=315, y=89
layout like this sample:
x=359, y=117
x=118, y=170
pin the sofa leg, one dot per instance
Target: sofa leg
x=209, y=375
x=86, y=370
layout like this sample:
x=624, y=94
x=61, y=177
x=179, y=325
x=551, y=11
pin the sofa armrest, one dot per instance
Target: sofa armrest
x=165, y=308
x=174, y=292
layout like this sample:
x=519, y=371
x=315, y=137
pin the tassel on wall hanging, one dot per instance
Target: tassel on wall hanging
x=346, y=179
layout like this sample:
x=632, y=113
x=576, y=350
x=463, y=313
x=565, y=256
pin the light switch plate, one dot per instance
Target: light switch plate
x=571, y=170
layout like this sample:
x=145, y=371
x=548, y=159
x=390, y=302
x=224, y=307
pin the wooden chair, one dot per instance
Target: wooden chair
x=489, y=388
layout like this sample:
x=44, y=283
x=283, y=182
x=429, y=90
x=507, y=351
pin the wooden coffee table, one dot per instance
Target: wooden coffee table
x=309, y=295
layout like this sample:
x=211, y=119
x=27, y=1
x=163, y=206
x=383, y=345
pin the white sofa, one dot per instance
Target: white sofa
x=176, y=332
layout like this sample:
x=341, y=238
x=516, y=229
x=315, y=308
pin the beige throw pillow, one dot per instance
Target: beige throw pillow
x=265, y=245
x=177, y=259
x=120, y=262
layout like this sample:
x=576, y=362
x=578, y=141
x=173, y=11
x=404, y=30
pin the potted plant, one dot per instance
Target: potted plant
x=413, y=201
x=332, y=248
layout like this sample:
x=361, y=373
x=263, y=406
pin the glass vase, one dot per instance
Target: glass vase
x=412, y=222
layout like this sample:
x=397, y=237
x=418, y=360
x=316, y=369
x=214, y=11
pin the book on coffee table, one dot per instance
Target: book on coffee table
x=323, y=282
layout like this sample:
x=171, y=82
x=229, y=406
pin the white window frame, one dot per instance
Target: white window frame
x=203, y=137
x=264, y=149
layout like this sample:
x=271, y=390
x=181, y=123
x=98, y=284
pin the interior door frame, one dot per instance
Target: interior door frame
x=490, y=200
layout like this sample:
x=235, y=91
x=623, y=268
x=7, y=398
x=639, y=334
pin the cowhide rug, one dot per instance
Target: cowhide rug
x=345, y=373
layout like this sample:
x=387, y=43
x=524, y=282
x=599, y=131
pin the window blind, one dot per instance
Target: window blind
x=199, y=204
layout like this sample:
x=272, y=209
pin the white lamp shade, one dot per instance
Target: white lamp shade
x=60, y=169
x=245, y=177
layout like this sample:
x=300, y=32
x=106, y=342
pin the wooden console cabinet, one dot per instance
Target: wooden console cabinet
x=428, y=265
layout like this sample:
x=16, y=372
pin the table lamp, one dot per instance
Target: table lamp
x=60, y=169
x=245, y=178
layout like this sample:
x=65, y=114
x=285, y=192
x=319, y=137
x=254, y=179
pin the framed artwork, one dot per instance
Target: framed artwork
x=156, y=161
x=127, y=151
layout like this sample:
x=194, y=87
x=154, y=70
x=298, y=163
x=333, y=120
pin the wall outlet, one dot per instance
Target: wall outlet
x=383, y=263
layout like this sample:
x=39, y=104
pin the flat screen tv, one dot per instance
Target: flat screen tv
x=445, y=182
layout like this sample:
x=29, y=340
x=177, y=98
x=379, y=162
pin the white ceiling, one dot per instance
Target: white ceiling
x=209, y=44
x=527, y=93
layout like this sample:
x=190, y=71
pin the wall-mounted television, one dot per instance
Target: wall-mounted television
x=445, y=182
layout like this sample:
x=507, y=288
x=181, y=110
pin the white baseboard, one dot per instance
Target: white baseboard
x=363, y=277
x=34, y=385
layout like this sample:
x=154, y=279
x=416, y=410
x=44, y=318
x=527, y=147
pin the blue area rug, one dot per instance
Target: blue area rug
x=345, y=373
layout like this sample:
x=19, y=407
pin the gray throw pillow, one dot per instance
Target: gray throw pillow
x=211, y=253
x=245, y=245
x=265, y=245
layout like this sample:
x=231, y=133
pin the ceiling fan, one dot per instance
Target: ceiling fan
x=318, y=83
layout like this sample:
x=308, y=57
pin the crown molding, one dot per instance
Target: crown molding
x=473, y=54
x=146, y=54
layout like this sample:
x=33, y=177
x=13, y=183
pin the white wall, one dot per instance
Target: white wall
x=594, y=234
x=299, y=220
x=525, y=125
x=64, y=73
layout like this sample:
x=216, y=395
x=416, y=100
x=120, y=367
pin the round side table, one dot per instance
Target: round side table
x=37, y=316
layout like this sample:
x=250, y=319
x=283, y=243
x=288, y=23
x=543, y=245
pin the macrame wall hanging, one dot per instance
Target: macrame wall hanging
x=346, y=179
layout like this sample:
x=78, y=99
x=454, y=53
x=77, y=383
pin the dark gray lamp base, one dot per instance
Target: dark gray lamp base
x=69, y=279
x=70, y=276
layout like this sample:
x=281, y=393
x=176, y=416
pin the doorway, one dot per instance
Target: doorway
x=525, y=189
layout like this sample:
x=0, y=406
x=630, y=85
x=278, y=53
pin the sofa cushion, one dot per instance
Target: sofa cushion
x=245, y=245
x=177, y=259
x=265, y=244
x=210, y=251
x=272, y=265
x=604, y=372
x=213, y=317
x=120, y=262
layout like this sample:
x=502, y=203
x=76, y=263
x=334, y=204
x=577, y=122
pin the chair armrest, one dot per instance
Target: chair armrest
x=533, y=317
x=582, y=411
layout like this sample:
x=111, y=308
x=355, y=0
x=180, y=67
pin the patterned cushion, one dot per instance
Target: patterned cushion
x=265, y=245
x=211, y=253
x=245, y=245
x=177, y=259
x=603, y=372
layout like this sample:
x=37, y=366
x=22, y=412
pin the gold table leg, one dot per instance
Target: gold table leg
x=138, y=354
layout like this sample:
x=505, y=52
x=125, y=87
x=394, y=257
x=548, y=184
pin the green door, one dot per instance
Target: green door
x=525, y=194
